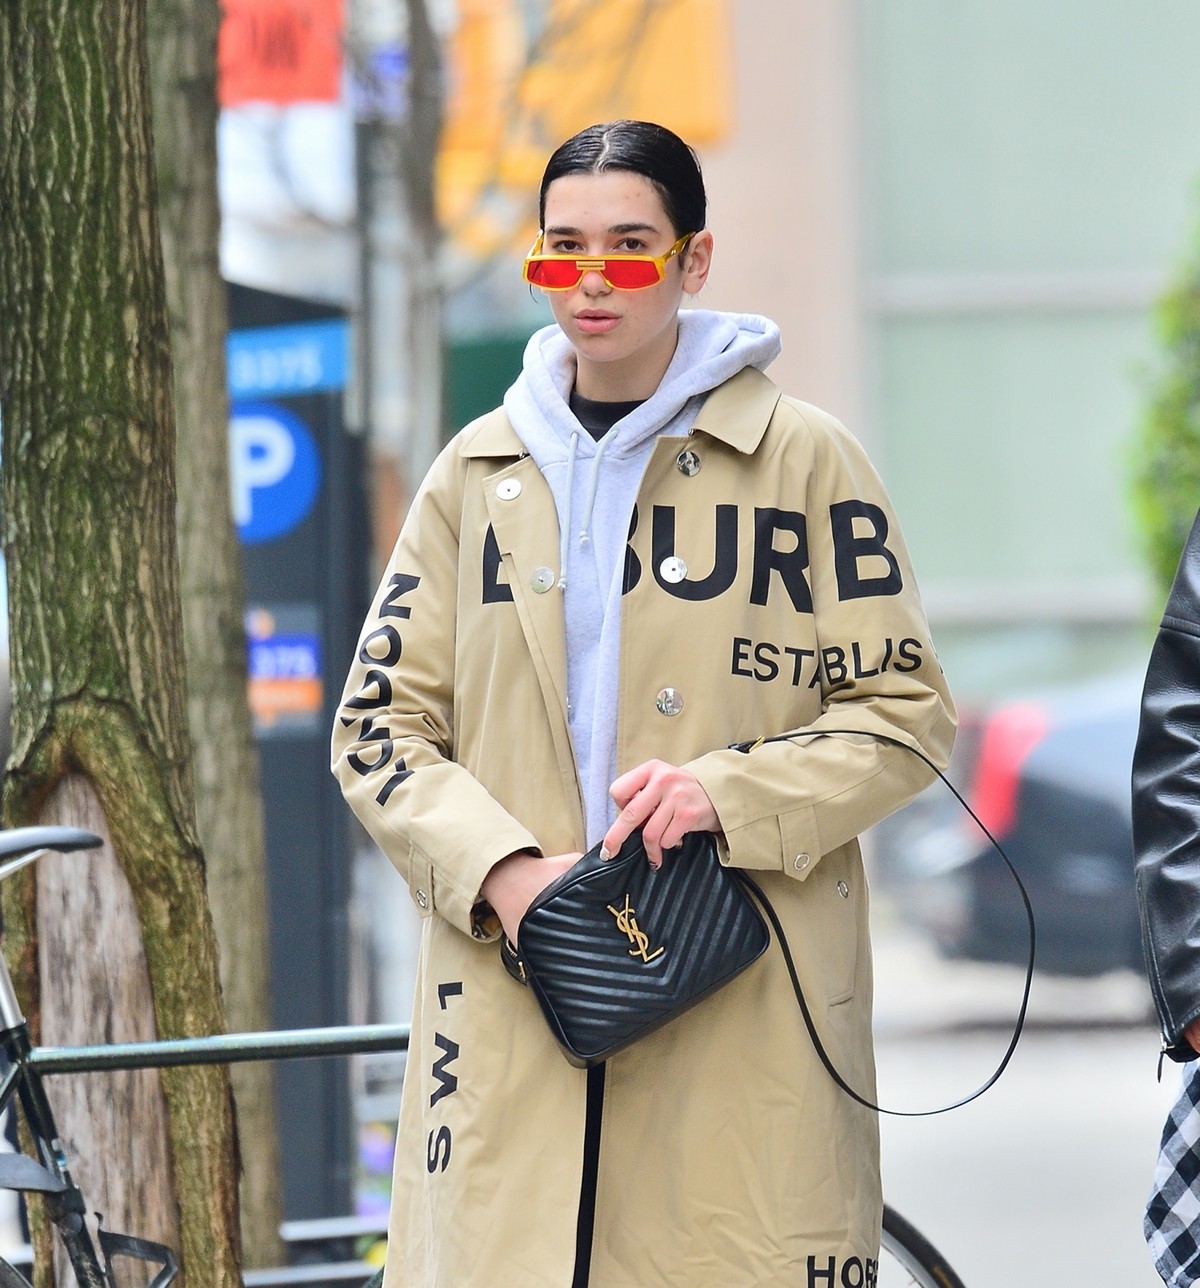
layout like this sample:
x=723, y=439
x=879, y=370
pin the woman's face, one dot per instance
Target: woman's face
x=624, y=340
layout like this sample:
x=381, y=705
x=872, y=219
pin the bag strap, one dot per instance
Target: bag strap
x=753, y=887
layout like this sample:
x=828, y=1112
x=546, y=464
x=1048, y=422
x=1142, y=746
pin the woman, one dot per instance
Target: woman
x=645, y=555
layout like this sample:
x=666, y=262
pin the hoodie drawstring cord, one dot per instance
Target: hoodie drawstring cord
x=593, y=485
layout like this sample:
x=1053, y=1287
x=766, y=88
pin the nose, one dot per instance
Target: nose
x=593, y=283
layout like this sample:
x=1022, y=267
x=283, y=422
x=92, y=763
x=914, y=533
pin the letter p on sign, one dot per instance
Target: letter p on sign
x=274, y=468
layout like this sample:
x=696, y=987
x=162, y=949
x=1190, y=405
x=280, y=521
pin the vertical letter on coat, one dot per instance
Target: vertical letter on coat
x=789, y=564
x=447, y=1082
x=856, y=552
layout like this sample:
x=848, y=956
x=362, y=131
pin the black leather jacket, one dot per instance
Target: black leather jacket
x=1166, y=808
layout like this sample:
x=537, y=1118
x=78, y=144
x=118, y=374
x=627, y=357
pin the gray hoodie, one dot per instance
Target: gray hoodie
x=595, y=486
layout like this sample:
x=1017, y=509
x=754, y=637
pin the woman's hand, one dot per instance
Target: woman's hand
x=513, y=884
x=1191, y=1035
x=666, y=802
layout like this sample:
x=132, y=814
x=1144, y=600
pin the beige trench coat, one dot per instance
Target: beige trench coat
x=727, y=1157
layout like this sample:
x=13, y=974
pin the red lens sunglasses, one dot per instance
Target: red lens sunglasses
x=621, y=272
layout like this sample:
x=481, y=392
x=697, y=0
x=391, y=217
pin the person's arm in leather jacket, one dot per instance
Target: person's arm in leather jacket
x=1166, y=811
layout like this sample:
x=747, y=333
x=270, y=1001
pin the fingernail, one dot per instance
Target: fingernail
x=604, y=855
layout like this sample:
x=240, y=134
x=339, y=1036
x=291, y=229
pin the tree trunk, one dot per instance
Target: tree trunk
x=77, y=894
x=418, y=146
x=400, y=359
x=183, y=47
x=100, y=733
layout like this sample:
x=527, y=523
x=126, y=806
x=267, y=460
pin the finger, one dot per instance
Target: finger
x=627, y=786
x=617, y=835
x=673, y=835
x=633, y=816
x=692, y=810
x=685, y=816
x=656, y=834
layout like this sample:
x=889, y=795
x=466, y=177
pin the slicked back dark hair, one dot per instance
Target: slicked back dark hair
x=640, y=147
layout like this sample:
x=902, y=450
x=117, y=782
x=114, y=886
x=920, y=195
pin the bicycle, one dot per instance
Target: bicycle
x=907, y=1258
x=905, y=1251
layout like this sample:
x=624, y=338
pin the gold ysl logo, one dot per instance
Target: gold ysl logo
x=627, y=925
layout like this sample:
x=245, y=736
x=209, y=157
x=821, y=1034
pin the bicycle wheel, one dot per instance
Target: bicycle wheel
x=908, y=1260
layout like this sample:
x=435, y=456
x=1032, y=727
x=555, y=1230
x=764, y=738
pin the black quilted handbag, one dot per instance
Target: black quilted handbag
x=613, y=949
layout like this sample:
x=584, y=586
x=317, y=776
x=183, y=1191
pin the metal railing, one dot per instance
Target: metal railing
x=237, y=1048
x=222, y=1048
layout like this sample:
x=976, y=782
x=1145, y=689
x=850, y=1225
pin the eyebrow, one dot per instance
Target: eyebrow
x=560, y=230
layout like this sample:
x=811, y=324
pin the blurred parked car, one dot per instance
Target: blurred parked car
x=1049, y=777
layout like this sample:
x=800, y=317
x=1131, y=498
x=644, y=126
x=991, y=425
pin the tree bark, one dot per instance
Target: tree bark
x=183, y=54
x=77, y=894
x=418, y=146
x=400, y=362
x=95, y=625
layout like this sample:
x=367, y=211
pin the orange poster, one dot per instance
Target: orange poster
x=280, y=51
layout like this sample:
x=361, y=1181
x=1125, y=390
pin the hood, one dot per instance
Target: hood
x=712, y=347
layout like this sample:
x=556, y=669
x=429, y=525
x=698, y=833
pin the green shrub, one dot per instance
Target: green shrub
x=1166, y=468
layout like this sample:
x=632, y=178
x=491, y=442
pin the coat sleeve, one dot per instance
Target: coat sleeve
x=1166, y=807
x=784, y=804
x=393, y=736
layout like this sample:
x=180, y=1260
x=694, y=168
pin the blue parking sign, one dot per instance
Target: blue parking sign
x=275, y=468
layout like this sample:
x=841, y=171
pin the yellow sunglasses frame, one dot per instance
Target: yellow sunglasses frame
x=596, y=264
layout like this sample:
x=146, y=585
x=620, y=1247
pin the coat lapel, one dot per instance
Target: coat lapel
x=522, y=515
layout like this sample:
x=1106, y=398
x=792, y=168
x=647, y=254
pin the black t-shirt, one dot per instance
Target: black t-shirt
x=599, y=417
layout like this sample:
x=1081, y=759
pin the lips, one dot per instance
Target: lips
x=595, y=321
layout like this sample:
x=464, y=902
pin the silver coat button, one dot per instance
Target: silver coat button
x=843, y=889
x=542, y=580
x=508, y=489
x=672, y=570
x=801, y=862
x=422, y=899
x=669, y=702
x=688, y=463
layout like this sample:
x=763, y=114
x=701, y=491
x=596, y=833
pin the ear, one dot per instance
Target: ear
x=697, y=260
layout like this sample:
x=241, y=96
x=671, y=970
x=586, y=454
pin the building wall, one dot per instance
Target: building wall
x=1029, y=176
x=961, y=216
x=784, y=195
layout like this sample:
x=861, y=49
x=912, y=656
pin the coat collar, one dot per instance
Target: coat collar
x=739, y=411
x=736, y=413
x=490, y=435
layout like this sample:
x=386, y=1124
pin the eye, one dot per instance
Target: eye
x=630, y=246
x=565, y=246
